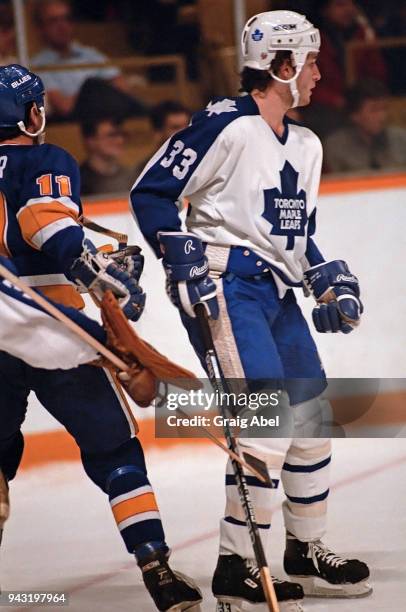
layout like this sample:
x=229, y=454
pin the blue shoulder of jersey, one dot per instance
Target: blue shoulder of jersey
x=53, y=159
x=154, y=195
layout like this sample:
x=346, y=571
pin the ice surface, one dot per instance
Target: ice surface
x=61, y=535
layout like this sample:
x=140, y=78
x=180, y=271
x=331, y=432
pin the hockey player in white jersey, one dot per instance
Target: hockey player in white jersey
x=252, y=179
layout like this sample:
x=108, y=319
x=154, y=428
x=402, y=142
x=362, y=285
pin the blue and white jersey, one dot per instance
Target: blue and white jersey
x=246, y=186
x=39, y=210
x=28, y=332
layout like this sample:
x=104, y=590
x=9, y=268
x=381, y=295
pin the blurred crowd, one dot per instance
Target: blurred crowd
x=351, y=109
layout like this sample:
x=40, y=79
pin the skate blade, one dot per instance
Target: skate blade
x=317, y=587
x=233, y=604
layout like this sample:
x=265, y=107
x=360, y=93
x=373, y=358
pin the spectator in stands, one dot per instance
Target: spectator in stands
x=341, y=22
x=166, y=118
x=102, y=172
x=77, y=92
x=7, y=36
x=368, y=142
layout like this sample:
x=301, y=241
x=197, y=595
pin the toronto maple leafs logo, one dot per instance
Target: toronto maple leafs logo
x=285, y=209
x=222, y=106
x=257, y=35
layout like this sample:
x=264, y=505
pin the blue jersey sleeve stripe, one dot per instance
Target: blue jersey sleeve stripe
x=313, y=255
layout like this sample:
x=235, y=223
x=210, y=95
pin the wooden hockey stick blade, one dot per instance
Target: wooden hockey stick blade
x=122, y=239
x=4, y=501
x=331, y=297
x=57, y=314
x=260, y=467
x=269, y=590
x=224, y=448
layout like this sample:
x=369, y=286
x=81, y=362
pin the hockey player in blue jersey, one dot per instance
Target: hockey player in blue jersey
x=251, y=177
x=39, y=230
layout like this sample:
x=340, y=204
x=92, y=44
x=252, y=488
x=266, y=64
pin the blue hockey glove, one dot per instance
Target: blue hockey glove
x=187, y=270
x=130, y=260
x=97, y=272
x=337, y=292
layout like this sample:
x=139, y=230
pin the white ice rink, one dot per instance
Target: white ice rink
x=62, y=537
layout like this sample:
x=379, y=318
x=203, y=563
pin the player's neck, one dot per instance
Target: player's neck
x=273, y=107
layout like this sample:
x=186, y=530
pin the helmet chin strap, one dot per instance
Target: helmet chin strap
x=292, y=82
x=24, y=130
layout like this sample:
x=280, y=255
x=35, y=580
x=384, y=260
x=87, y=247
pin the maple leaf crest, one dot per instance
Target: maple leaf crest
x=285, y=209
x=222, y=106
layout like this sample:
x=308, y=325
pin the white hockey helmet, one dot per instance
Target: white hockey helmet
x=267, y=33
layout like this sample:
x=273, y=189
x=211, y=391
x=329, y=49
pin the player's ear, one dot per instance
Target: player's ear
x=286, y=71
x=35, y=118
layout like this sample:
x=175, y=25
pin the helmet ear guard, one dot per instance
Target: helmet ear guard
x=267, y=33
x=40, y=131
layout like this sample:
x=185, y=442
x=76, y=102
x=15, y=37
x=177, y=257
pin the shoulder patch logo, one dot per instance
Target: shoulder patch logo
x=222, y=106
x=257, y=35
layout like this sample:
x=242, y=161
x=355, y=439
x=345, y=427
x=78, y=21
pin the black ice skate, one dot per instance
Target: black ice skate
x=237, y=580
x=170, y=590
x=322, y=573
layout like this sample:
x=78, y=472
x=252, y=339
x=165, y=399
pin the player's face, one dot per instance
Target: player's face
x=308, y=78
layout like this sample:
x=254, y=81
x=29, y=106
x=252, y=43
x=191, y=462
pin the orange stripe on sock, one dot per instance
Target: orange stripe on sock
x=136, y=505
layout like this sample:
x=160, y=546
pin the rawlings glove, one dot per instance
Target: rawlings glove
x=337, y=292
x=97, y=272
x=187, y=270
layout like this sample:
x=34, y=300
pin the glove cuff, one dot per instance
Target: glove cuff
x=183, y=256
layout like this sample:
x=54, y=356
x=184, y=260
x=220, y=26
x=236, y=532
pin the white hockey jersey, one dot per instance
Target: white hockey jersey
x=247, y=187
x=31, y=334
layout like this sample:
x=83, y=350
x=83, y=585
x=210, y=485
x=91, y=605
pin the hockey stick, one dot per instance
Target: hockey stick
x=229, y=452
x=221, y=386
x=122, y=239
x=4, y=502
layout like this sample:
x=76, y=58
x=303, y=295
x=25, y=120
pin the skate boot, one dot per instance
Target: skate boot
x=170, y=590
x=322, y=573
x=237, y=580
